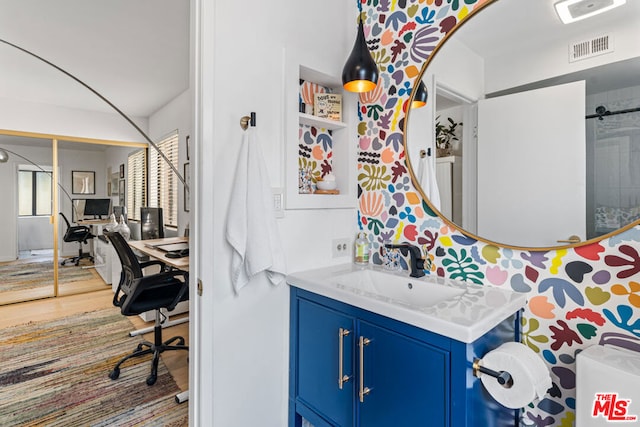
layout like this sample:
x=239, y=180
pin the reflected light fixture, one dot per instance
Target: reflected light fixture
x=420, y=97
x=360, y=72
x=575, y=10
x=4, y=156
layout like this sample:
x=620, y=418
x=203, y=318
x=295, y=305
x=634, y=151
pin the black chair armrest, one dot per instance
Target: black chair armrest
x=153, y=262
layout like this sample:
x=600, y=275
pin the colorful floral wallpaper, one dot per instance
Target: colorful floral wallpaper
x=315, y=145
x=577, y=297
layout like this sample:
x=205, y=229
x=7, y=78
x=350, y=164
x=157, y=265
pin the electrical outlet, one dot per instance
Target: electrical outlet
x=340, y=247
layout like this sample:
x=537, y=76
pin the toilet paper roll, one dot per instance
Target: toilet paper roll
x=530, y=375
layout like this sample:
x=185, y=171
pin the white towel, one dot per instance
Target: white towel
x=427, y=180
x=251, y=225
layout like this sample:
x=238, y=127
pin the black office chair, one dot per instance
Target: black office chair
x=80, y=234
x=137, y=293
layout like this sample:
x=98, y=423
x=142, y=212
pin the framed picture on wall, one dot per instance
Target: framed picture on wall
x=121, y=192
x=122, y=171
x=187, y=180
x=83, y=182
x=114, y=184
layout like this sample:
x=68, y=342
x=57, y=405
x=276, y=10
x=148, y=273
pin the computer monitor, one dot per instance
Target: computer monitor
x=151, y=223
x=97, y=208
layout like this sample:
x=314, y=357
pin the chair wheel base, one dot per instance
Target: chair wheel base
x=114, y=374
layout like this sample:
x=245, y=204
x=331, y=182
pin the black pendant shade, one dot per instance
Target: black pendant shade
x=360, y=72
x=420, y=97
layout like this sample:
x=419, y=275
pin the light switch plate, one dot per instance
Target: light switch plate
x=278, y=202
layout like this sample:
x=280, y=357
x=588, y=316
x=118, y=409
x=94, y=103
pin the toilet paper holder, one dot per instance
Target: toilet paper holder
x=504, y=378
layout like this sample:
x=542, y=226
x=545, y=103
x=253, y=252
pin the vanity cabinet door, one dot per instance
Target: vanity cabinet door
x=321, y=351
x=408, y=380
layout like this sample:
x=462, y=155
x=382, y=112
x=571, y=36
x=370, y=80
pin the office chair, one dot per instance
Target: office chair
x=80, y=234
x=137, y=293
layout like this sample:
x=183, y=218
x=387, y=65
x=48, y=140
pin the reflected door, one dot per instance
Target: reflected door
x=27, y=267
x=532, y=144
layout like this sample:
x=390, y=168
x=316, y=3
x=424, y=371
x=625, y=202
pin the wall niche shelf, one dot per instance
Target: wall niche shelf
x=319, y=122
x=313, y=68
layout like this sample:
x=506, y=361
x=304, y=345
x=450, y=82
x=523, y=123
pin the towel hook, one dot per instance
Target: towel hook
x=248, y=120
x=425, y=153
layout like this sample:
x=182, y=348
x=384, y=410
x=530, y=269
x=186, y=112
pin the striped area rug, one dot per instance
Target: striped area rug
x=29, y=275
x=56, y=374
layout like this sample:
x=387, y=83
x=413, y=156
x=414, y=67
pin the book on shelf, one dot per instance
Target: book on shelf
x=328, y=106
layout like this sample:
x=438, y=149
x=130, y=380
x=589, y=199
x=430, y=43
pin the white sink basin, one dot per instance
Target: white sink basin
x=397, y=289
x=458, y=310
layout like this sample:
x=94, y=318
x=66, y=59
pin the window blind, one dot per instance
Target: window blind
x=136, y=188
x=163, y=183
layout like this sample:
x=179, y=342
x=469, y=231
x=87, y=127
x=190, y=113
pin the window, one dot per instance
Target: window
x=163, y=182
x=136, y=188
x=34, y=192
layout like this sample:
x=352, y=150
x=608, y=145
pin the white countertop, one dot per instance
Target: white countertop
x=461, y=311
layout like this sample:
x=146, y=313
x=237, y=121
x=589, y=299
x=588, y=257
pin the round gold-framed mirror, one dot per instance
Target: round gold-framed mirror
x=542, y=154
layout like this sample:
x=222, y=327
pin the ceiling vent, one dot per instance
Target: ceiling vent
x=589, y=48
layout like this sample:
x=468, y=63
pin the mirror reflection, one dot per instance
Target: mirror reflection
x=544, y=125
x=29, y=263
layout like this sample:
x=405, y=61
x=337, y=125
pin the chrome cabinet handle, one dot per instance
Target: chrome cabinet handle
x=363, y=390
x=341, y=377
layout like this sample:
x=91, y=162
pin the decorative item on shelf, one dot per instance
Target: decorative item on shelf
x=112, y=224
x=327, y=185
x=328, y=106
x=445, y=135
x=308, y=90
x=305, y=180
x=360, y=72
x=124, y=228
x=420, y=97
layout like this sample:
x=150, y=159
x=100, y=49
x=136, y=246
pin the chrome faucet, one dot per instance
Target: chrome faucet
x=415, y=254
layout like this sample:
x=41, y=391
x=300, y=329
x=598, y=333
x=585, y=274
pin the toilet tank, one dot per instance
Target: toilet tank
x=607, y=387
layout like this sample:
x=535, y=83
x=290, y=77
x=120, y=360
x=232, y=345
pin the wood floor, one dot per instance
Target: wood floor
x=53, y=308
x=69, y=288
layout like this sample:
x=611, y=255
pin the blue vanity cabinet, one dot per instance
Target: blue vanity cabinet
x=325, y=339
x=394, y=374
x=407, y=378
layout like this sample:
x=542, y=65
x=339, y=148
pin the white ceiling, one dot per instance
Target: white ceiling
x=133, y=52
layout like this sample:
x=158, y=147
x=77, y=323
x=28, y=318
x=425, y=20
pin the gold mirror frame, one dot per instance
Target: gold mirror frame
x=419, y=189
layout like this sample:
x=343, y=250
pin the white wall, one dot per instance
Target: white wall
x=242, y=359
x=530, y=65
x=68, y=161
x=177, y=114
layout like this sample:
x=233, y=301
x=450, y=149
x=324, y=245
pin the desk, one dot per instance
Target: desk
x=144, y=247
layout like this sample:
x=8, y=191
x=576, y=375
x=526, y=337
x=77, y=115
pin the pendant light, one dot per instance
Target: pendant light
x=360, y=72
x=420, y=97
